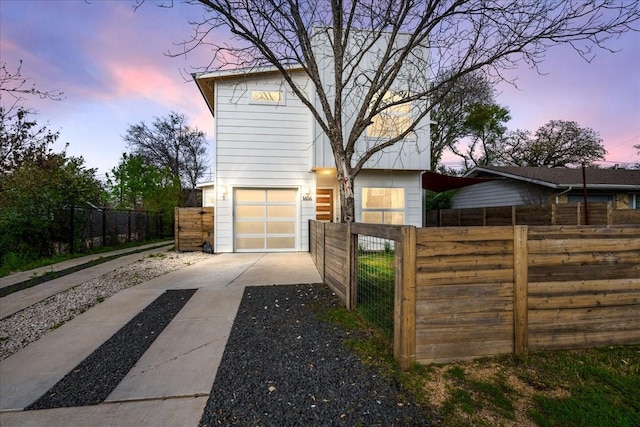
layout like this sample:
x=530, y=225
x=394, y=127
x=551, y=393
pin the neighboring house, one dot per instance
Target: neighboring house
x=275, y=170
x=533, y=186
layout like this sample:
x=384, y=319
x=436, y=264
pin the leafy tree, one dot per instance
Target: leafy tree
x=485, y=127
x=135, y=184
x=558, y=143
x=375, y=47
x=21, y=139
x=33, y=195
x=172, y=145
x=449, y=115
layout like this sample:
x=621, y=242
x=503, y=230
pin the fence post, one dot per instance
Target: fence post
x=352, y=266
x=404, y=324
x=520, y=291
x=129, y=226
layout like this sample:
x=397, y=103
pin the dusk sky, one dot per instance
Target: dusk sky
x=110, y=61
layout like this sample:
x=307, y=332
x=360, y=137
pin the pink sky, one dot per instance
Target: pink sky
x=110, y=62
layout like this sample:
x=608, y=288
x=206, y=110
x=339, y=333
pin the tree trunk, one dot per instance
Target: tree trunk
x=345, y=185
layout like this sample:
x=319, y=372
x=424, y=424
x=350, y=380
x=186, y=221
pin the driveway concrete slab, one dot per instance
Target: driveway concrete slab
x=185, y=357
x=280, y=269
x=179, y=412
x=219, y=271
x=170, y=383
x=29, y=373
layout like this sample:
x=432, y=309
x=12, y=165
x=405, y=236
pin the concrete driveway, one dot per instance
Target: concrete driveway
x=170, y=384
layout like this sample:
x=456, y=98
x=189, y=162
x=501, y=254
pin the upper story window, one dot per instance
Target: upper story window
x=394, y=120
x=266, y=96
x=383, y=205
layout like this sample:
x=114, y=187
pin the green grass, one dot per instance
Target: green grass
x=13, y=263
x=592, y=387
x=376, y=278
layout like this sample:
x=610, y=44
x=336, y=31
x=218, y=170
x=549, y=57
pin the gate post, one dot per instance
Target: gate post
x=404, y=324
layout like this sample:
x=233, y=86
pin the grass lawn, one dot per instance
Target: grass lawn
x=593, y=387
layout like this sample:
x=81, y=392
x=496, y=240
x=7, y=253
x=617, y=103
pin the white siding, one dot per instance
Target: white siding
x=260, y=146
x=412, y=154
x=411, y=183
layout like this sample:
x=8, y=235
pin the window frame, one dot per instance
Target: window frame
x=389, y=115
x=384, y=211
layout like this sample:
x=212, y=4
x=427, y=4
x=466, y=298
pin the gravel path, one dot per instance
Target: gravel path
x=284, y=367
x=30, y=324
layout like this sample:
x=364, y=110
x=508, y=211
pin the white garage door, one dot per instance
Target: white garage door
x=265, y=219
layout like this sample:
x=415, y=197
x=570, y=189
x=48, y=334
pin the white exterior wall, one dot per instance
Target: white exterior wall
x=260, y=146
x=411, y=183
x=411, y=154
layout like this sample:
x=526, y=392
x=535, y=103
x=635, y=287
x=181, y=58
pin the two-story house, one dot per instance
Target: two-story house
x=275, y=171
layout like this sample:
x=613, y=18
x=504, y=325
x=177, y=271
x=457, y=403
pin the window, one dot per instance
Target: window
x=383, y=205
x=266, y=96
x=634, y=201
x=392, y=121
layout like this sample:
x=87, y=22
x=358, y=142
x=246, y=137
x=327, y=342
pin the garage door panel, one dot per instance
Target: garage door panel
x=250, y=243
x=280, y=242
x=250, y=227
x=265, y=219
x=286, y=196
x=281, y=227
x=249, y=195
x=281, y=211
x=250, y=211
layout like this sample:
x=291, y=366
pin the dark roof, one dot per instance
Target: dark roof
x=434, y=181
x=563, y=177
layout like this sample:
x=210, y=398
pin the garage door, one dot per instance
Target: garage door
x=265, y=219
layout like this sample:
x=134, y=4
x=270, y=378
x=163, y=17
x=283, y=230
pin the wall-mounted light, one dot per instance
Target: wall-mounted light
x=223, y=191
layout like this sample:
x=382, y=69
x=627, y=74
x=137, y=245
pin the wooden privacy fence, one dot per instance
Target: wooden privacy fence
x=466, y=292
x=193, y=228
x=552, y=214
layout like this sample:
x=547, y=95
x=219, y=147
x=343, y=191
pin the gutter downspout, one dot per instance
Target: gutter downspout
x=563, y=192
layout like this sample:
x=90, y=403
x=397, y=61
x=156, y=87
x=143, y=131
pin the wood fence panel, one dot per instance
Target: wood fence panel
x=533, y=215
x=496, y=216
x=464, y=311
x=584, y=286
x=625, y=216
x=193, y=227
x=336, y=254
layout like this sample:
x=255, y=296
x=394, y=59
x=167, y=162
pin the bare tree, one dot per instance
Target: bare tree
x=373, y=47
x=171, y=144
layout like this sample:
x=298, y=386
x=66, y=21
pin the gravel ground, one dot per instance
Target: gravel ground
x=30, y=324
x=283, y=367
x=91, y=382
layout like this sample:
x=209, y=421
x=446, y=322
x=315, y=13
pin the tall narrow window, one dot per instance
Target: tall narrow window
x=394, y=120
x=383, y=205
